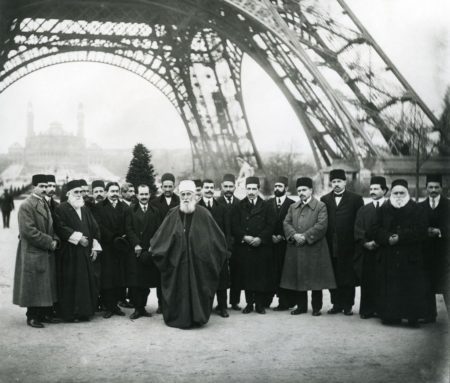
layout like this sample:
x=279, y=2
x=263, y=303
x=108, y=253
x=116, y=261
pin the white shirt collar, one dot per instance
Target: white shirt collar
x=381, y=201
x=307, y=201
x=281, y=199
x=436, y=200
x=168, y=200
x=127, y=202
x=142, y=206
x=206, y=200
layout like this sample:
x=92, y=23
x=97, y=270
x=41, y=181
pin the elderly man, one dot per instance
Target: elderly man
x=342, y=206
x=253, y=223
x=400, y=231
x=190, y=250
x=307, y=265
x=79, y=234
x=34, y=276
x=367, y=248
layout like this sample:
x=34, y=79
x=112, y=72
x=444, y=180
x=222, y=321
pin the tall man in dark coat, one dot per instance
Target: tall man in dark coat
x=253, y=223
x=110, y=216
x=221, y=217
x=79, y=235
x=400, y=231
x=230, y=201
x=6, y=206
x=34, y=275
x=280, y=203
x=342, y=206
x=190, y=250
x=367, y=248
x=142, y=221
x=436, y=246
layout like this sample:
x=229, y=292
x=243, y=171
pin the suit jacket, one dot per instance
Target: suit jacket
x=161, y=204
x=219, y=214
x=229, y=211
x=280, y=213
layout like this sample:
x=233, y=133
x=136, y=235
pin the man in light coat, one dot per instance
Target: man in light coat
x=34, y=276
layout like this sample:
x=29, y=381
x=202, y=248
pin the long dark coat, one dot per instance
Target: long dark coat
x=140, y=228
x=256, y=266
x=437, y=250
x=190, y=267
x=340, y=236
x=34, y=276
x=221, y=216
x=403, y=287
x=6, y=203
x=161, y=204
x=77, y=290
x=112, y=225
x=307, y=267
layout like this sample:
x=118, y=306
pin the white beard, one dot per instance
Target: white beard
x=75, y=202
x=188, y=208
x=399, y=202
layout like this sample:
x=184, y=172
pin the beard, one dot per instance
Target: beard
x=76, y=202
x=279, y=193
x=399, y=202
x=187, y=208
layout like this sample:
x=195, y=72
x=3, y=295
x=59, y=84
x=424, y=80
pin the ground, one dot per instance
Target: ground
x=274, y=347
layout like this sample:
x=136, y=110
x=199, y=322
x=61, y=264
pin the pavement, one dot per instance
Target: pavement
x=275, y=347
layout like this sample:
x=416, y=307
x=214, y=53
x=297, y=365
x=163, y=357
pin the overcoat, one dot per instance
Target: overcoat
x=340, y=235
x=34, y=276
x=161, y=204
x=307, y=267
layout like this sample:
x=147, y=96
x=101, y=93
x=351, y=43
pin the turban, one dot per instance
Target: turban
x=377, y=180
x=400, y=182
x=252, y=180
x=434, y=178
x=72, y=185
x=98, y=184
x=282, y=180
x=229, y=177
x=338, y=174
x=51, y=178
x=39, y=179
x=186, y=185
x=167, y=177
x=304, y=181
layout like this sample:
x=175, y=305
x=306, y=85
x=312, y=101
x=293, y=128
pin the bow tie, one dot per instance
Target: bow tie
x=338, y=195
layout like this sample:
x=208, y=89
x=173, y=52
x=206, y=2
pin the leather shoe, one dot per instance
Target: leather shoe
x=159, y=310
x=260, y=309
x=413, y=323
x=50, y=319
x=118, y=312
x=298, y=311
x=248, y=309
x=236, y=307
x=108, y=314
x=280, y=308
x=334, y=310
x=126, y=305
x=316, y=313
x=366, y=316
x=135, y=315
x=348, y=312
x=34, y=323
x=223, y=313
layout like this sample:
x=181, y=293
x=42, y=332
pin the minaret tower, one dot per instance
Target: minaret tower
x=80, y=119
x=30, y=120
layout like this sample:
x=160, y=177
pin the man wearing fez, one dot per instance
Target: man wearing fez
x=198, y=189
x=253, y=223
x=168, y=199
x=436, y=246
x=220, y=215
x=280, y=203
x=367, y=248
x=307, y=265
x=190, y=250
x=342, y=206
x=142, y=221
x=110, y=215
x=50, y=192
x=34, y=276
x=79, y=234
x=400, y=231
x=84, y=189
x=98, y=191
x=228, y=200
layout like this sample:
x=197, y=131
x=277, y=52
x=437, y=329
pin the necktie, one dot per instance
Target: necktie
x=377, y=205
x=433, y=203
x=229, y=201
x=144, y=208
x=278, y=203
x=209, y=204
x=114, y=203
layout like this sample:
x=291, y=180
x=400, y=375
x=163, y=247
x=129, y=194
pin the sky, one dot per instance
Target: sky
x=122, y=109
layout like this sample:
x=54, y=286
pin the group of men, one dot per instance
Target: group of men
x=96, y=251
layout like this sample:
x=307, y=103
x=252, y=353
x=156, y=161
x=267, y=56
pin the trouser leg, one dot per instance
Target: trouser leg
x=222, y=298
x=302, y=299
x=250, y=297
x=260, y=299
x=334, y=294
x=110, y=298
x=235, y=296
x=316, y=300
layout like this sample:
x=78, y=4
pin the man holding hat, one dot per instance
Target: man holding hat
x=436, y=246
x=230, y=201
x=342, y=206
x=367, y=248
x=400, y=231
x=253, y=223
x=190, y=250
x=79, y=234
x=280, y=204
x=307, y=265
x=34, y=276
x=168, y=199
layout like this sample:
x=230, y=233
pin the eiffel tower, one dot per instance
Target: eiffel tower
x=350, y=99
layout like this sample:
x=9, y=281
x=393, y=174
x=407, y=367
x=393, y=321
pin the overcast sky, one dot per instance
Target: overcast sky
x=122, y=109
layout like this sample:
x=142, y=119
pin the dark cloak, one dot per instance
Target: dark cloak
x=190, y=268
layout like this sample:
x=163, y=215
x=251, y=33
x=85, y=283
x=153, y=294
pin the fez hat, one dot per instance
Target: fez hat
x=72, y=185
x=109, y=184
x=51, y=178
x=39, y=179
x=145, y=257
x=121, y=244
x=282, y=180
x=304, y=181
x=378, y=180
x=167, y=177
x=252, y=180
x=338, y=174
x=198, y=183
x=186, y=185
x=400, y=182
x=229, y=177
x=434, y=178
x=98, y=184
x=83, y=182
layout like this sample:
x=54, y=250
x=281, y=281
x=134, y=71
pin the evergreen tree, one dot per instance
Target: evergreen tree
x=444, y=126
x=141, y=169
